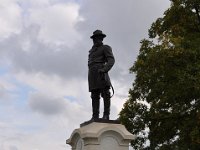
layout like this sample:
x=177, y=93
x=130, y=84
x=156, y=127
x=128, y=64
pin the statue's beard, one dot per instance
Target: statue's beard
x=98, y=43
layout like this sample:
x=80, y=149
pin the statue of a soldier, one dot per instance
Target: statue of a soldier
x=100, y=61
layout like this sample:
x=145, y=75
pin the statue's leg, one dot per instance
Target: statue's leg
x=95, y=95
x=106, y=98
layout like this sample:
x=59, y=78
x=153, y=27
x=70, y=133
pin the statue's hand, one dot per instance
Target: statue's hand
x=101, y=71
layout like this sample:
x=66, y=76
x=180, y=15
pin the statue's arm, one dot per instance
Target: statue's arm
x=109, y=57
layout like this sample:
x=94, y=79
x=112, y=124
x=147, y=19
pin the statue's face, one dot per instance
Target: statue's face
x=97, y=39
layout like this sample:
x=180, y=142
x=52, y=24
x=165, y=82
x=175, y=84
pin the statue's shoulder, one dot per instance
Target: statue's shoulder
x=107, y=47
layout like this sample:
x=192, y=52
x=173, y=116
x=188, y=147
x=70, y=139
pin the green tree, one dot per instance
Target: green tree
x=163, y=108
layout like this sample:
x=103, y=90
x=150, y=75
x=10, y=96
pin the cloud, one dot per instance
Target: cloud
x=13, y=148
x=65, y=96
x=61, y=23
x=27, y=53
x=7, y=88
x=2, y=91
x=57, y=23
x=65, y=92
x=10, y=18
x=54, y=85
x=48, y=41
x=46, y=104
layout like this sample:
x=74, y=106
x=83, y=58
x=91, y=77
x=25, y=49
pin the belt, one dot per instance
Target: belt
x=95, y=63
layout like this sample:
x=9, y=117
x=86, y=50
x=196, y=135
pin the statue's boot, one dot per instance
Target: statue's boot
x=95, y=106
x=106, y=98
x=106, y=112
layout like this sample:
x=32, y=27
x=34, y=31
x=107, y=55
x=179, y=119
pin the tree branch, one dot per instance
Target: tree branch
x=197, y=12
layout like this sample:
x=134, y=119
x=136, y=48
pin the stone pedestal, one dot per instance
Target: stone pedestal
x=100, y=136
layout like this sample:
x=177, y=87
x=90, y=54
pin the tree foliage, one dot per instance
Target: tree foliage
x=163, y=108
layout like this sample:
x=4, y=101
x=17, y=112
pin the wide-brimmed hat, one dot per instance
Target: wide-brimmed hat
x=98, y=33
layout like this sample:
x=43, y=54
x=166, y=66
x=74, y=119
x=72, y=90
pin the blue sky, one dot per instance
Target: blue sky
x=44, y=47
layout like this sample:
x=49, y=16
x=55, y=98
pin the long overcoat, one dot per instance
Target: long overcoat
x=100, y=57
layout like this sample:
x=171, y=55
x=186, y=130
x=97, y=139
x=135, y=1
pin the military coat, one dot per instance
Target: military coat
x=100, y=57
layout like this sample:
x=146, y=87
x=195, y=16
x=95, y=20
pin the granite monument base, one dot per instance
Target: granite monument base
x=100, y=135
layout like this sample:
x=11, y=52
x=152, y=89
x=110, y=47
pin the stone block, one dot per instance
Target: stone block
x=100, y=136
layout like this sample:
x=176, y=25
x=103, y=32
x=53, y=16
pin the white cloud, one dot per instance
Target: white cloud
x=27, y=53
x=10, y=18
x=2, y=91
x=52, y=84
x=37, y=3
x=7, y=87
x=57, y=23
x=58, y=91
x=46, y=104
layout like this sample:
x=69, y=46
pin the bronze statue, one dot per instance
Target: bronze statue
x=100, y=61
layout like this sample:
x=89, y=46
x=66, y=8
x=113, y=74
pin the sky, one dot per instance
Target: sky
x=44, y=48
